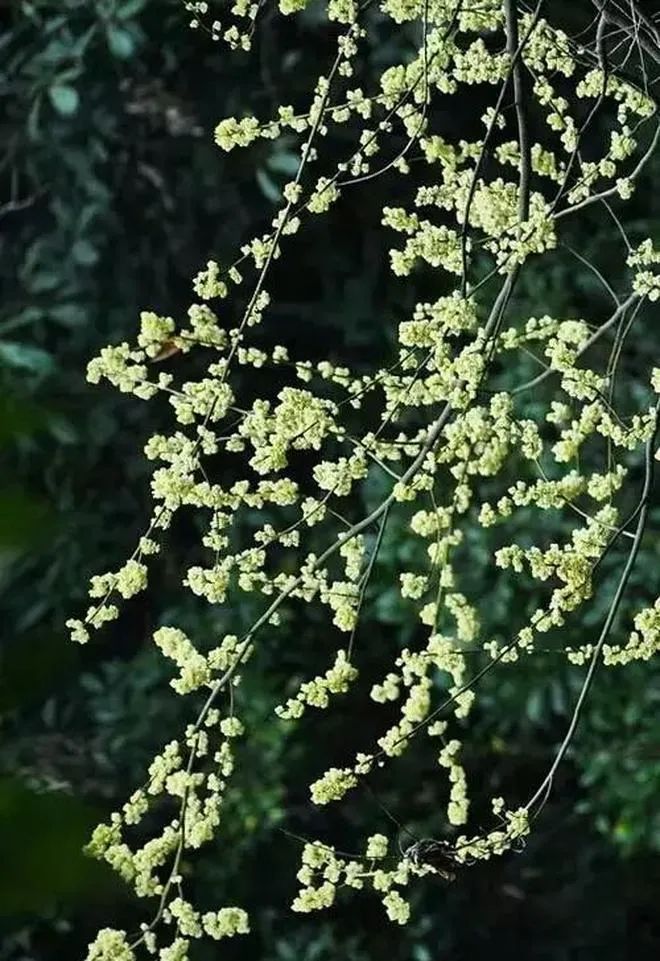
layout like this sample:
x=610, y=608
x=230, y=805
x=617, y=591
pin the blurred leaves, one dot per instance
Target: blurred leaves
x=51, y=870
x=25, y=521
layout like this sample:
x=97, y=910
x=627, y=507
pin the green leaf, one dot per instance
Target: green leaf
x=42, y=281
x=25, y=356
x=84, y=253
x=120, y=42
x=130, y=8
x=69, y=314
x=64, y=98
x=269, y=188
x=33, y=119
x=284, y=162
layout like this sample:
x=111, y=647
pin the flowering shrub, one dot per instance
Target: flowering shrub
x=439, y=424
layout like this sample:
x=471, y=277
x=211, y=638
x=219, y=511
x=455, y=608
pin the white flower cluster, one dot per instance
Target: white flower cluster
x=317, y=692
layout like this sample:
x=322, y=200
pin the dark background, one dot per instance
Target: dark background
x=112, y=195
